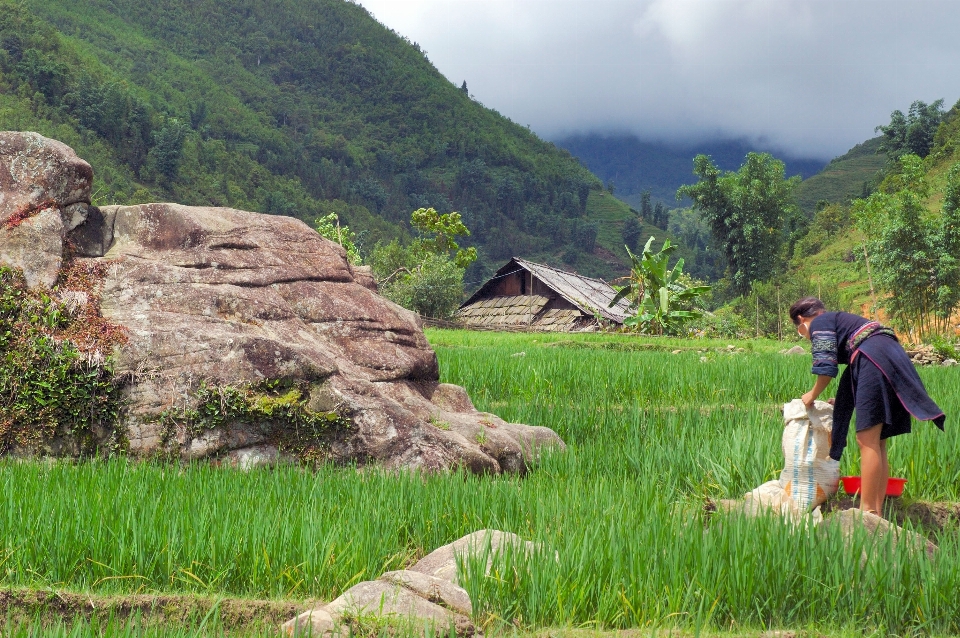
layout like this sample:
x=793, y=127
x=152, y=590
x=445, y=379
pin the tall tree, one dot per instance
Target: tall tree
x=660, y=217
x=912, y=133
x=646, y=212
x=914, y=255
x=746, y=211
x=631, y=232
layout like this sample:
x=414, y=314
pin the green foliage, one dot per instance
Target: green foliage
x=425, y=276
x=828, y=222
x=438, y=235
x=748, y=211
x=49, y=387
x=329, y=227
x=631, y=233
x=429, y=284
x=913, y=133
x=167, y=152
x=583, y=236
x=646, y=210
x=764, y=309
x=722, y=323
x=654, y=214
x=662, y=298
x=914, y=255
x=661, y=217
x=704, y=261
x=274, y=403
x=945, y=347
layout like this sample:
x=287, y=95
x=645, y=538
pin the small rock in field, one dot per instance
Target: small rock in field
x=676, y=351
x=795, y=350
x=703, y=359
x=949, y=362
x=519, y=354
x=731, y=347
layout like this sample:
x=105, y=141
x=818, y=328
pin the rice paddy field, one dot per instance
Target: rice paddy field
x=652, y=434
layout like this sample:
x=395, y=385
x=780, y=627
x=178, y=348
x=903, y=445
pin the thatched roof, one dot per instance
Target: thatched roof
x=523, y=311
x=591, y=296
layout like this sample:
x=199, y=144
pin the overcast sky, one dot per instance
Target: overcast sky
x=812, y=77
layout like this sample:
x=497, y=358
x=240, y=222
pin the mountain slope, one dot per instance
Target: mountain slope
x=292, y=107
x=634, y=165
x=846, y=177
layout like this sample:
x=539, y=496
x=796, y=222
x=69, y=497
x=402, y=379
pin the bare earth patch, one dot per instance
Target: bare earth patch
x=18, y=606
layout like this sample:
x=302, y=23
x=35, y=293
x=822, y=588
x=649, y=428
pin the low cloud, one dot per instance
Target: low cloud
x=813, y=77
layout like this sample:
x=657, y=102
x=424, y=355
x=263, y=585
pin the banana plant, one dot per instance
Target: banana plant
x=662, y=302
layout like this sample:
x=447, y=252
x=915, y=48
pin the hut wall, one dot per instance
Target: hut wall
x=520, y=283
x=509, y=286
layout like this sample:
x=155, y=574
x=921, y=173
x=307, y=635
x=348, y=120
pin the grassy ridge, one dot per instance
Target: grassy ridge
x=844, y=178
x=650, y=435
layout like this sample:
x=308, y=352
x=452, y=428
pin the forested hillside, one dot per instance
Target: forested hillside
x=907, y=227
x=296, y=108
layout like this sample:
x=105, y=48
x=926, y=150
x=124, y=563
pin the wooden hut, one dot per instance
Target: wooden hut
x=527, y=295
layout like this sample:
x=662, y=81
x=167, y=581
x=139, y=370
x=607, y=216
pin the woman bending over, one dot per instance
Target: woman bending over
x=879, y=383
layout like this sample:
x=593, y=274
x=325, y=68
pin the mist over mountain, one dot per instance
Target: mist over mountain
x=634, y=165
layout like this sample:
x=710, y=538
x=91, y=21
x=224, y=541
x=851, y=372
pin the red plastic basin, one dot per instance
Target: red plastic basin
x=851, y=485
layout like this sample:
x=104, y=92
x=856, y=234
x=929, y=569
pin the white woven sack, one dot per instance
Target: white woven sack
x=809, y=475
x=770, y=496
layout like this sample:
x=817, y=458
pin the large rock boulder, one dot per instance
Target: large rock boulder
x=215, y=299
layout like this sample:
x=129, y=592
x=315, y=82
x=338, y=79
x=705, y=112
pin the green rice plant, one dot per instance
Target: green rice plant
x=618, y=517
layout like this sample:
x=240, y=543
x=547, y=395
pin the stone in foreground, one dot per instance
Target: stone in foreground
x=882, y=530
x=427, y=595
x=220, y=298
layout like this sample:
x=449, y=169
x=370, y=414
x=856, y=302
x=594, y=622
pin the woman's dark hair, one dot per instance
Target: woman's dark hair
x=806, y=307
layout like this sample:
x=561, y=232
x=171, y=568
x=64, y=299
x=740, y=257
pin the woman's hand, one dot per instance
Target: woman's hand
x=822, y=382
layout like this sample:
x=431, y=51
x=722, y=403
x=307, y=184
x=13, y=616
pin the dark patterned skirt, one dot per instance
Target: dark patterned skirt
x=881, y=386
x=876, y=401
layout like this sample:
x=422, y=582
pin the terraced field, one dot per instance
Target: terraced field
x=619, y=515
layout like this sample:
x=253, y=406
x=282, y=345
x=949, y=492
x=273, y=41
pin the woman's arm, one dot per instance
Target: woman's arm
x=821, y=384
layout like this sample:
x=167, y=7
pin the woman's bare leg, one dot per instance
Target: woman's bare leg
x=873, y=469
